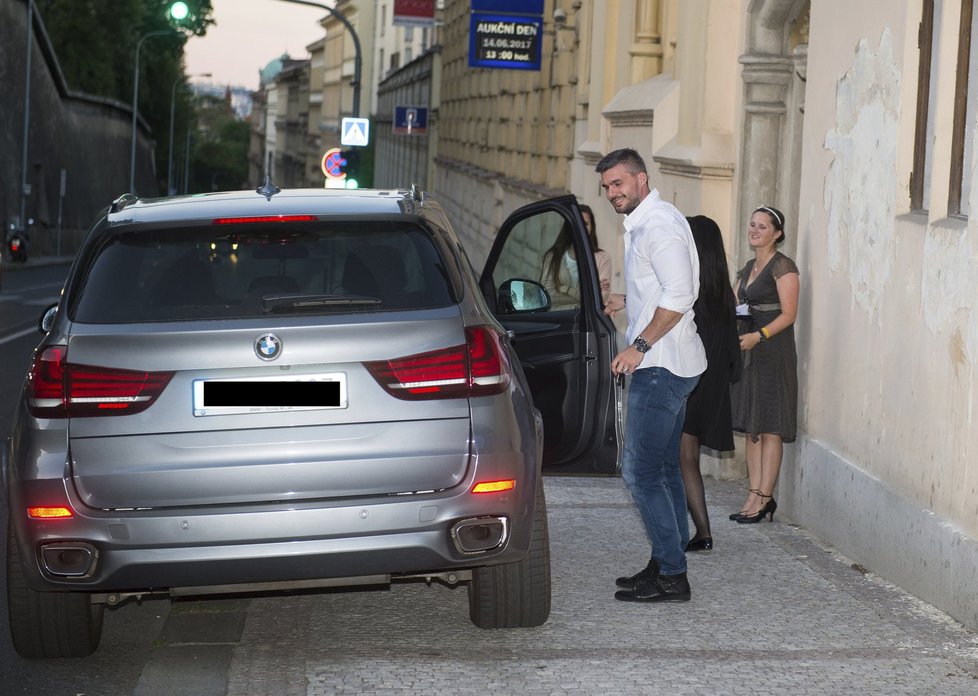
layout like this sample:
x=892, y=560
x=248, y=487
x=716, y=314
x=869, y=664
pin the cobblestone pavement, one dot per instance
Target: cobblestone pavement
x=773, y=612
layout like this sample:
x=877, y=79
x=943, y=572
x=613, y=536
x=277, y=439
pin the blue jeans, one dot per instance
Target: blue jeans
x=650, y=465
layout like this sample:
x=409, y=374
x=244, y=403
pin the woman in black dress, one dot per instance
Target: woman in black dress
x=765, y=401
x=708, y=420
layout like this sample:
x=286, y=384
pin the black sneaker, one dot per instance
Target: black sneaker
x=650, y=572
x=662, y=588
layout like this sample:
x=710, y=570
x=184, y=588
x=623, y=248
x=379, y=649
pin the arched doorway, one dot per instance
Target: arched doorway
x=774, y=69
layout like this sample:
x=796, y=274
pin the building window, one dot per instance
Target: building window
x=963, y=133
x=409, y=33
x=926, y=87
x=383, y=20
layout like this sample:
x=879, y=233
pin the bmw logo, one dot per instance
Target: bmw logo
x=268, y=346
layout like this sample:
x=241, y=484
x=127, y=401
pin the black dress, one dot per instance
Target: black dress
x=765, y=400
x=708, y=407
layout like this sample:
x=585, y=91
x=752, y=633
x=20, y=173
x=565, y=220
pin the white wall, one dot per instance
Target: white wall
x=888, y=318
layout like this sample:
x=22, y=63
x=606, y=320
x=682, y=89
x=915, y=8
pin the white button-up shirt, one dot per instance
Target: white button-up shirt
x=662, y=269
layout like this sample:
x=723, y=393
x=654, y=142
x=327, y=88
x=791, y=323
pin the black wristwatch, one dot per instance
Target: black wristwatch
x=641, y=345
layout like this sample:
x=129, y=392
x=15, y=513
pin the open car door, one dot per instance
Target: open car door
x=558, y=328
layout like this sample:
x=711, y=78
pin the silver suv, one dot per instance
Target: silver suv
x=280, y=390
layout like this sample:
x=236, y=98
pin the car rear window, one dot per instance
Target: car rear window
x=257, y=270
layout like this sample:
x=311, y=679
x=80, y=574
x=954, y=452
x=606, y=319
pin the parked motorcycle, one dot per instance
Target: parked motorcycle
x=17, y=243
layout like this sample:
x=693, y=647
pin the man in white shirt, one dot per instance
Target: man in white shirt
x=665, y=359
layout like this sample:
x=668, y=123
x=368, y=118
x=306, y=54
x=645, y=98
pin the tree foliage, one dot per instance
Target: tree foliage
x=220, y=159
x=96, y=40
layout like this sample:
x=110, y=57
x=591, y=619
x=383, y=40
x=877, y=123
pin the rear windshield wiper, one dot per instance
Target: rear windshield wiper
x=271, y=303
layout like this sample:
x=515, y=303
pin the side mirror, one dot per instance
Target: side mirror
x=521, y=295
x=47, y=319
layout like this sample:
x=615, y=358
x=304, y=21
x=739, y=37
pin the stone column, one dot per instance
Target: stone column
x=646, y=50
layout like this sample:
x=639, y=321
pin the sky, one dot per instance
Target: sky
x=247, y=35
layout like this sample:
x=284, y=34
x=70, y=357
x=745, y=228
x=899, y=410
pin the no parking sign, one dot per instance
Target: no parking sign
x=333, y=163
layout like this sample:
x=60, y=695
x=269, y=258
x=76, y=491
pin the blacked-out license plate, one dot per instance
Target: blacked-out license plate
x=217, y=397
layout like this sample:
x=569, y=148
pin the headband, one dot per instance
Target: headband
x=772, y=212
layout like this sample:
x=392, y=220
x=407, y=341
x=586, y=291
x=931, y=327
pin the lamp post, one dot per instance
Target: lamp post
x=173, y=96
x=135, y=101
x=356, y=46
x=186, y=164
x=24, y=186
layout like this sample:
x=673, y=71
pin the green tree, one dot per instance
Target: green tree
x=219, y=161
x=95, y=41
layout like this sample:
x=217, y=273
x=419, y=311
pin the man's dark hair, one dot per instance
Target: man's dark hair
x=632, y=160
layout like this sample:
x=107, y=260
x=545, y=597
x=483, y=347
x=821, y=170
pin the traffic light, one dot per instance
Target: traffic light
x=179, y=10
x=351, y=167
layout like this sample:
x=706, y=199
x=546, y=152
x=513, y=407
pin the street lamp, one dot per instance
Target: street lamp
x=24, y=186
x=356, y=47
x=135, y=101
x=173, y=96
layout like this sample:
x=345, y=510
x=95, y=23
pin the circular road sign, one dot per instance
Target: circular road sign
x=332, y=164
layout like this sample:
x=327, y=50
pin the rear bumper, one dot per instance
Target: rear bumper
x=154, y=551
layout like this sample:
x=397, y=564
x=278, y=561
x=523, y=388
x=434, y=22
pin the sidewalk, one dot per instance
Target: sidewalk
x=34, y=261
x=773, y=612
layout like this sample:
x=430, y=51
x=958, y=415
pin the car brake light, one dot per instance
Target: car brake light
x=48, y=513
x=494, y=486
x=264, y=218
x=59, y=389
x=478, y=368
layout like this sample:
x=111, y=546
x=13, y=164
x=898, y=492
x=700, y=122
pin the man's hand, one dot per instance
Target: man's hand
x=627, y=361
x=614, y=304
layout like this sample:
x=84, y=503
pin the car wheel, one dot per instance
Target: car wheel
x=48, y=624
x=516, y=595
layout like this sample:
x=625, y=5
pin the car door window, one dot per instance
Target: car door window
x=539, y=249
x=551, y=308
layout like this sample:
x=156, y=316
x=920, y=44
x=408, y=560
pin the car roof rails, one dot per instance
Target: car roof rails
x=122, y=201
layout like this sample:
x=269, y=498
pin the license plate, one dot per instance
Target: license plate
x=215, y=397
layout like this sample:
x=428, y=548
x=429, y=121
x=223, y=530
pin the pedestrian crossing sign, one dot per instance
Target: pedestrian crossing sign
x=355, y=132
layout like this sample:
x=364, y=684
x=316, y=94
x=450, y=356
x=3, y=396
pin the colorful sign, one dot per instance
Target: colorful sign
x=333, y=163
x=355, y=132
x=505, y=41
x=410, y=120
x=526, y=7
x=414, y=13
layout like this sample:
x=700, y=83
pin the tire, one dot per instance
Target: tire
x=516, y=595
x=48, y=624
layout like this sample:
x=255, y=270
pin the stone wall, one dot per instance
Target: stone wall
x=505, y=137
x=402, y=160
x=88, y=137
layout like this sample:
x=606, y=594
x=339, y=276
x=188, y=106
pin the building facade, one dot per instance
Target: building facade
x=862, y=131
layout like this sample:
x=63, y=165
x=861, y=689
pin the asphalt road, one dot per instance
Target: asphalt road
x=130, y=630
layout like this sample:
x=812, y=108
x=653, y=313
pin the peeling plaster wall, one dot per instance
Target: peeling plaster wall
x=888, y=316
x=859, y=202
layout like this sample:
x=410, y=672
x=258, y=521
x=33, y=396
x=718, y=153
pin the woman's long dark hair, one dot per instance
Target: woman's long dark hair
x=716, y=299
x=592, y=232
x=554, y=256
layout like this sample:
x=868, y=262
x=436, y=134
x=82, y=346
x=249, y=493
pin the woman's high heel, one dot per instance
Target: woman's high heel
x=735, y=515
x=701, y=544
x=768, y=509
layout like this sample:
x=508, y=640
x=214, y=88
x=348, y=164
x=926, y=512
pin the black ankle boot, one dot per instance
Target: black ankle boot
x=663, y=588
x=650, y=572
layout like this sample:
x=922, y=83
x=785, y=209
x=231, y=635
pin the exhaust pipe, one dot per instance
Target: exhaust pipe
x=480, y=534
x=70, y=559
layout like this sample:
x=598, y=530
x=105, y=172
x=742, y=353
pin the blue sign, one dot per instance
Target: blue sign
x=355, y=131
x=527, y=7
x=505, y=41
x=410, y=120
